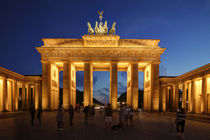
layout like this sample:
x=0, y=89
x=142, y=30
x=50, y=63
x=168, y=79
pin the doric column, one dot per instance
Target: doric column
x=5, y=94
x=163, y=97
x=155, y=86
x=189, y=95
x=204, y=95
x=15, y=98
x=23, y=96
x=36, y=94
x=66, y=85
x=29, y=97
x=134, y=86
x=87, y=84
x=184, y=95
x=193, y=103
x=176, y=96
x=167, y=98
x=46, y=86
x=113, y=85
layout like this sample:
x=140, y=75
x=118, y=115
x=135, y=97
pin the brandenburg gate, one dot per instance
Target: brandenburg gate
x=100, y=50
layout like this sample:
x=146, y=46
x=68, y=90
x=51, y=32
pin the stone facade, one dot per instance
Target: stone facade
x=190, y=91
x=100, y=53
x=19, y=92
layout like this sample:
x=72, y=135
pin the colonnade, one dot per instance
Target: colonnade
x=69, y=84
x=192, y=95
x=17, y=95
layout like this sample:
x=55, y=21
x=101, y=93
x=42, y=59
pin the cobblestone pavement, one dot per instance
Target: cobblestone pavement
x=146, y=126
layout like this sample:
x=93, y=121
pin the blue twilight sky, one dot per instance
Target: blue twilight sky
x=183, y=27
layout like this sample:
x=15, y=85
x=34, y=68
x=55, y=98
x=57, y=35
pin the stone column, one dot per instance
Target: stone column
x=23, y=96
x=15, y=98
x=113, y=85
x=176, y=96
x=189, y=96
x=87, y=83
x=40, y=94
x=134, y=86
x=36, y=94
x=184, y=95
x=5, y=94
x=66, y=85
x=204, y=95
x=46, y=86
x=29, y=97
x=167, y=98
x=193, y=103
x=155, y=86
x=164, y=92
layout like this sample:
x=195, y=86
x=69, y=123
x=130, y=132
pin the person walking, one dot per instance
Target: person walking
x=71, y=115
x=125, y=111
x=39, y=115
x=32, y=112
x=180, y=122
x=131, y=113
x=59, y=118
x=108, y=116
x=86, y=111
x=121, y=116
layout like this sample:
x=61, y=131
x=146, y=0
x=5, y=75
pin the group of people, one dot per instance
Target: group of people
x=125, y=116
x=60, y=117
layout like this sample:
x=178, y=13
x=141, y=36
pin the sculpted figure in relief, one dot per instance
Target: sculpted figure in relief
x=112, y=31
x=90, y=29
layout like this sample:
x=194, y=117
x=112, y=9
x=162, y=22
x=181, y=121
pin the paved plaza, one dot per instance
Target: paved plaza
x=146, y=126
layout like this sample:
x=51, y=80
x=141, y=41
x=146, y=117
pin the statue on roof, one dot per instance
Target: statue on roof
x=100, y=28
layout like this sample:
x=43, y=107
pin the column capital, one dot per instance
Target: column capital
x=44, y=61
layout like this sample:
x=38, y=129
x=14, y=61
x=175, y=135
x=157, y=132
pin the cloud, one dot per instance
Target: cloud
x=124, y=75
x=121, y=88
x=102, y=95
x=95, y=79
x=80, y=78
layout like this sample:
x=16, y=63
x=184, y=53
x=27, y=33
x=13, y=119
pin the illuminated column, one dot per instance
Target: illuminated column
x=46, y=86
x=184, y=95
x=23, y=96
x=189, y=96
x=87, y=83
x=193, y=103
x=4, y=94
x=204, y=95
x=40, y=94
x=176, y=96
x=66, y=84
x=113, y=85
x=73, y=86
x=36, y=88
x=128, y=96
x=15, y=98
x=134, y=86
x=164, y=97
x=155, y=86
x=167, y=98
x=29, y=97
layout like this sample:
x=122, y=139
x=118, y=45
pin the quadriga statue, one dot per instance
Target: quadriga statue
x=90, y=29
x=112, y=31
